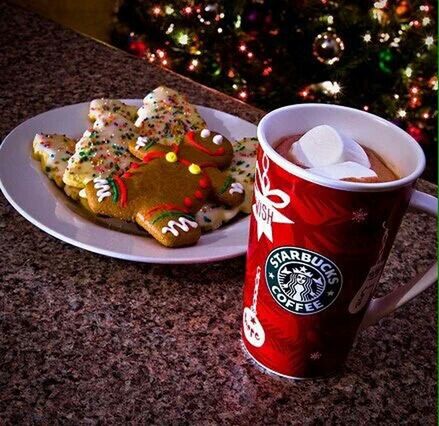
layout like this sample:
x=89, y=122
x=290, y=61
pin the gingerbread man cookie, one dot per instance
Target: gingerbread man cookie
x=165, y=192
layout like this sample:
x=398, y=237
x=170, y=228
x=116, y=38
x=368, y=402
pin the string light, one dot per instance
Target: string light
x=429, y=41
x=414, y=90
x=243, y=94
x=250, y=55
x=395, y=42
x=220, y=30
x=367, y=38
x=408, y=72
x=156, y=10
x=267, y=71
x=381, y=4
x=183, y=39
x=187, y=10
x=170, y=29
x=242, y=47
x=169, y=10
x=384, y=37
x=193, y=64
x=426, y=21
x=331, y=87
x=402, y=113
x=366, y=108
x=161, y=53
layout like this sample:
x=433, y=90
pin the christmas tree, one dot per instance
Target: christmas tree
x=377, y=56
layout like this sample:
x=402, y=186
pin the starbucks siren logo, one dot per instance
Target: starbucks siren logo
x=301, y=281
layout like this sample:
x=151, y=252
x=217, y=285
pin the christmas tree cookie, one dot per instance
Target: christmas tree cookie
x=101, y=151
x=166, y=116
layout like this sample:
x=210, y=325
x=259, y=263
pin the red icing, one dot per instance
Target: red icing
x=122, y=190
x=134, y=165
x=184, y=162
x=204, y=183
x=205, y=165
x=127, y=175
x=153, y=155
x=190, y=139
x=187, y=202
x=198, y=194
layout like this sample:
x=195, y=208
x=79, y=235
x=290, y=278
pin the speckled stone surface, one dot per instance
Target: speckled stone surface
x=86, y=339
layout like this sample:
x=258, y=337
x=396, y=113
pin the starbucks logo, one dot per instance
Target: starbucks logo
x=301, y=281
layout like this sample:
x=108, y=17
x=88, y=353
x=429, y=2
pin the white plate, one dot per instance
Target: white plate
x=39, y=200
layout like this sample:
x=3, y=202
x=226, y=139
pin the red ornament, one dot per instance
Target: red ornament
x=403, y=10
x=417, y=133
x=137, y=47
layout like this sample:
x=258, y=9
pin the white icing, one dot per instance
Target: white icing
x=217, y=139
x=103, y=189
x=183, y=223
x=205, y=133
x=236, y=187
x=102, y=153
x=141, y=142
x=87, y=134
x=82, y=193
x=53, y=151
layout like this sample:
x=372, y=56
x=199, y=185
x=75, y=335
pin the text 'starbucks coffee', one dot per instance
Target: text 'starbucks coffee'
x=321, y=232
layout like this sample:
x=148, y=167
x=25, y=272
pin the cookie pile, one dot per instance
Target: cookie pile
x=159, y=166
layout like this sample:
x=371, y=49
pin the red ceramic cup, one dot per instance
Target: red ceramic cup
x=317, y=246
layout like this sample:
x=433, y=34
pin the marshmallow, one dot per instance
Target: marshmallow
x=345, y=170
x=323, y=146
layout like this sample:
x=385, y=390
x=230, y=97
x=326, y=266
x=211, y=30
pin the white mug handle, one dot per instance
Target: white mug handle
x=382, y=306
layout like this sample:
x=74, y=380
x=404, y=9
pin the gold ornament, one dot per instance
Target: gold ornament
x=328, y=48
x=403, y=10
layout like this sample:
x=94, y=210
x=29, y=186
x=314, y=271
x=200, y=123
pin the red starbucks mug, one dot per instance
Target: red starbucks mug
x=317, y=247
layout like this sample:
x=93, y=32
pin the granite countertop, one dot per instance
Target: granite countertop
x=85, y=339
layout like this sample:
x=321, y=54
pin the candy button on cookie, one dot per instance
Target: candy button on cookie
x=171, y=157
x=195, y=169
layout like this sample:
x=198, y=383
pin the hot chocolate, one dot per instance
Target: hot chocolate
x=325, y=152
